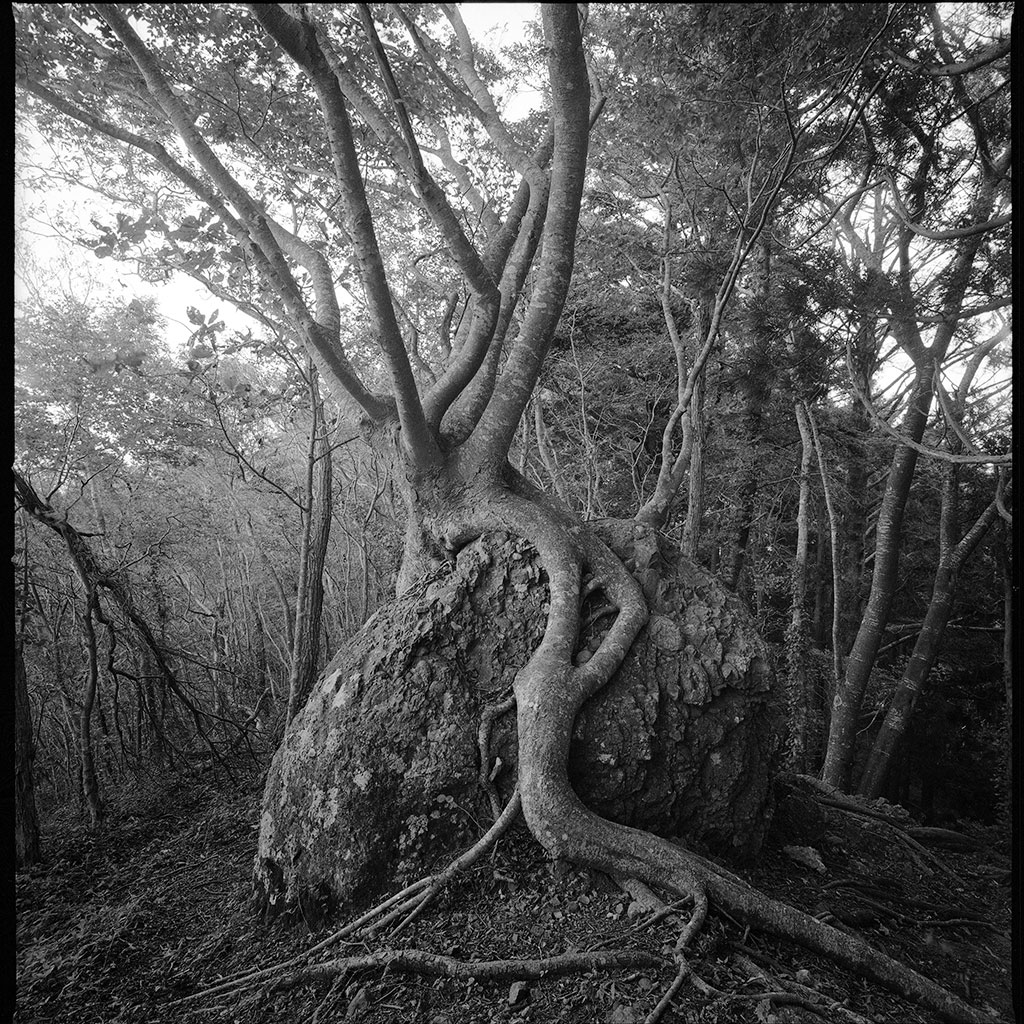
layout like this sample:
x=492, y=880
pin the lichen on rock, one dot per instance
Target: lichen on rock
x=377, y=777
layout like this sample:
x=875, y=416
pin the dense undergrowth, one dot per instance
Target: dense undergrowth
x=118, y=924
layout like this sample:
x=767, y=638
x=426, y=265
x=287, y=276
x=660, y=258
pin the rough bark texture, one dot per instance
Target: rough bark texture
x=379, y=772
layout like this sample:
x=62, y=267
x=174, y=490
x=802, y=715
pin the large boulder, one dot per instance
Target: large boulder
x=378, y=776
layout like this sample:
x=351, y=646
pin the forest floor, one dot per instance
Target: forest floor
x=117, y=925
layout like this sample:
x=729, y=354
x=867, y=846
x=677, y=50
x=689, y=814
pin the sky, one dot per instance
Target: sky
x=492, y=23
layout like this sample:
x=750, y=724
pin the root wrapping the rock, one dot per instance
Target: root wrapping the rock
x=550, y=691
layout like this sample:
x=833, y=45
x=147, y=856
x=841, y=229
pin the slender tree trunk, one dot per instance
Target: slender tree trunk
x=846, y=703
x=26, y=823
x=698, y=435
x=94, y=576
x=90, y=784
x=316, y=534
x=835, y=557
x=926, y=647
x=819, y=632
x=796, y=636
x=856, y=524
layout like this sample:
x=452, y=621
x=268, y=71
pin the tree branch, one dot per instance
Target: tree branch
x=299, y=40
x=979, y=60
x=1005, y=459
x=570, y=91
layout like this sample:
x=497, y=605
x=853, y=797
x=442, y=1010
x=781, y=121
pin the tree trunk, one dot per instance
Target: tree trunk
x=95, y=576
x=316, y=534
x=856, y=524
x=819, y=629
x=849, y=694
x=800, y=697
x=847, y=702
x=698, y=434
x=90, y=784
x=737, y=556
x=26, y=823
x=926, y=647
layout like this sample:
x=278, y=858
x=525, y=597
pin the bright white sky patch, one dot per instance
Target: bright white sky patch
x=493, y=24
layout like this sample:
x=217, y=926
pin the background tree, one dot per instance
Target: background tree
x=913, y=300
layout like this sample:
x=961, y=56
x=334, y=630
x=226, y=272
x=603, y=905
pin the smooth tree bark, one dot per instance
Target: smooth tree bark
x=907, y=326
x=954, y=551
x=800, y=697
x=839, y=591
x=316, y=531
x=26, y=821
x=926, y=648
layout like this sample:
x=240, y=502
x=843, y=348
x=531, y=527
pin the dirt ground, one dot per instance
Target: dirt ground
x=118, y=925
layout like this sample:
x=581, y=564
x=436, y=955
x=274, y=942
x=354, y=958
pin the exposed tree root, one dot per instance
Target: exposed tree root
x=890, y=827
x=488, y=717
x=418, y=903
x=677, y=983
x=643, y=899
x=550, y=691
x=407, y=904
x=648, y=922
x=948, y=916
x=686, y=936
x=795, y=994
x=943, y=837
x=418, y=962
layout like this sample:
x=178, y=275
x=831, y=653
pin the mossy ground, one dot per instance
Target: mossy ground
x=118, y=924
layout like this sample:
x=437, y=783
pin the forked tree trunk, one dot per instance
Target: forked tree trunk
x=26, y=823
x=846, y=704
x=926, y=647
x=849, y=695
